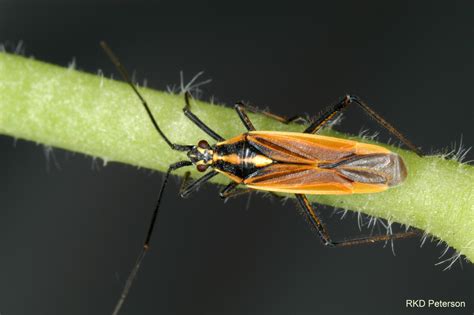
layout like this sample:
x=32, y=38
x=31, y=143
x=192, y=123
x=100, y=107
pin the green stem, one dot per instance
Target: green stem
x=90, y=114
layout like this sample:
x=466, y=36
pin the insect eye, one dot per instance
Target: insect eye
x=201, y=167
x=203, y=144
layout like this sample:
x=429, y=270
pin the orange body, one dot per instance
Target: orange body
x=307, y=164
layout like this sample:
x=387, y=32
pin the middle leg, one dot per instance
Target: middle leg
x=231, y=191
x=186, y=189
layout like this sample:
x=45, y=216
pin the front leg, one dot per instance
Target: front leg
x=241, y=109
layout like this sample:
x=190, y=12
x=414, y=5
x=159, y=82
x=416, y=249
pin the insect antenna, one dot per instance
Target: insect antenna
x=146, y=245
x=126, y=77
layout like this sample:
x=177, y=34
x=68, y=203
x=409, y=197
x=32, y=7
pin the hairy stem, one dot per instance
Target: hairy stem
x=93, y=115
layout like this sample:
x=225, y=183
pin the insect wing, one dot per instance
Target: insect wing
x=296, y=178
x=301, y=148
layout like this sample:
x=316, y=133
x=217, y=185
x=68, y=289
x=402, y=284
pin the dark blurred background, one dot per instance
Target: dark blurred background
x=70, y=229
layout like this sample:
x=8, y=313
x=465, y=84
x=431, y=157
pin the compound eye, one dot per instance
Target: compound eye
x=203, y=144
x=201, y=167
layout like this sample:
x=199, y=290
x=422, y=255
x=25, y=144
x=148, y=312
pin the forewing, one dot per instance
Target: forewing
x=300, y=148
x=295, y=178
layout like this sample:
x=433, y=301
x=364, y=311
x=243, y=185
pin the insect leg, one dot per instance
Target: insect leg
x=146, y=244
x=185, y=191
x=385, y=124
x=198, y=122
x=185, y=181
x=326, y=239
x=327, y=115
x=231, y=190
x=242, y=107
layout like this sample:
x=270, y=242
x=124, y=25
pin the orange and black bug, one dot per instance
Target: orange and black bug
x=289, y=162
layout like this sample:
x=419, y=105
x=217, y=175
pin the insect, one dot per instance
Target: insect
x=290, y=162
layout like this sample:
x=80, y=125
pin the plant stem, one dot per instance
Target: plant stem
x=90, y=114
